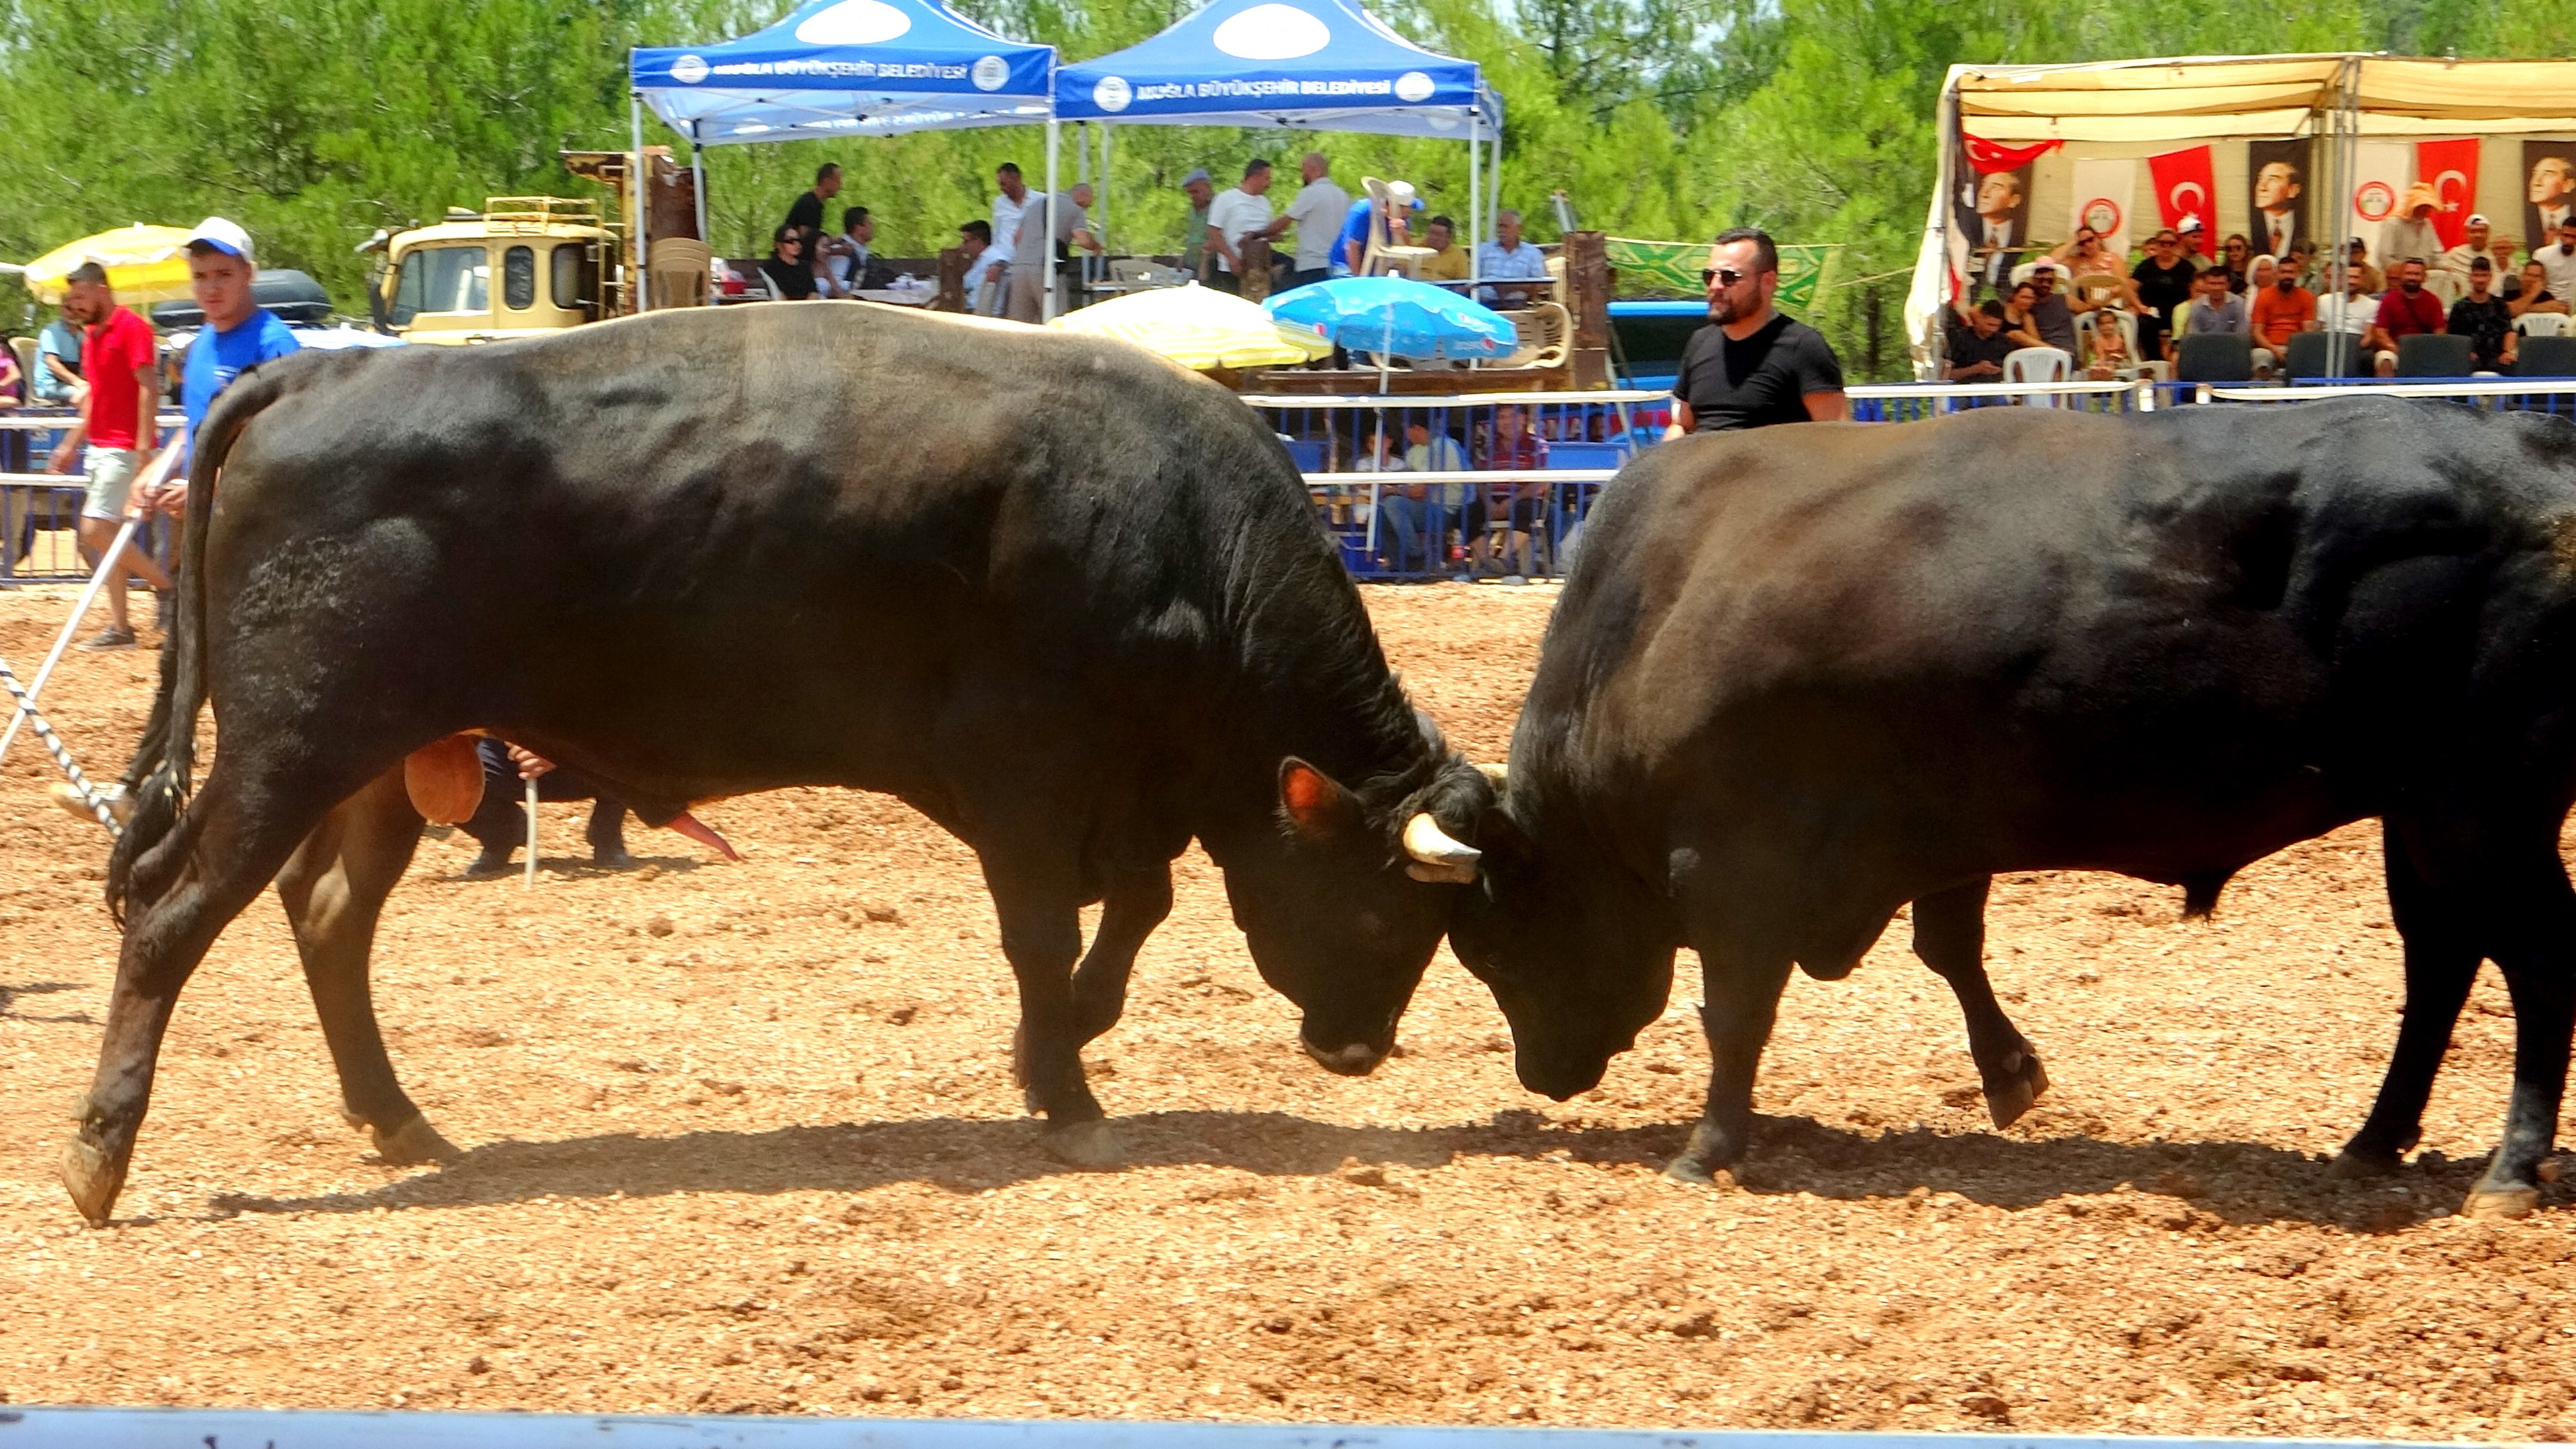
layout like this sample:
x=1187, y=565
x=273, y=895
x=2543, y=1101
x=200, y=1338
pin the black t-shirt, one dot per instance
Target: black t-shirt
x=793, y=280
x=1967, y=347
x=806, y=211
x=1761, y=380
x=2484, y=324
x=2164, y=288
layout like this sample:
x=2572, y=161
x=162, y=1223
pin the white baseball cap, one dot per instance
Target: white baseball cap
x=1401, y=193
x=224, y=236
x=2477, y=218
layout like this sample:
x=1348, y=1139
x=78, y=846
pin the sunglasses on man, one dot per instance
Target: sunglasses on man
x=1723, y=276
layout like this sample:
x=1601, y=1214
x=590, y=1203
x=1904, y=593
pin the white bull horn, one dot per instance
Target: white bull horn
x=1437, y=856
x=1495, y=775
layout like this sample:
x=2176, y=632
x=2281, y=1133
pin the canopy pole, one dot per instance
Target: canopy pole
x=1100, y=198
x=698, y=180
x=1046, y=241
x=635, y=187
x=1475, y=198
x=1945, y=130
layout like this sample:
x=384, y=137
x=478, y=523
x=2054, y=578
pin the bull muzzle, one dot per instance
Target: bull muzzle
x=1357, y=1059
x=1435, y=855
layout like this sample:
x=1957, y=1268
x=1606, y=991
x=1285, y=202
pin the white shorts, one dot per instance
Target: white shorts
x=111, y=477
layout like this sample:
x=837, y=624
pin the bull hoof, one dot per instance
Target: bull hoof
x=94, y=1179
x=1704, y=1160
x=412, y=1144
x=611, y=860
x=486, y=867
x=2351, y=1165
x=2007, y=1100
x=1091, y=1145
x=2495, y=1204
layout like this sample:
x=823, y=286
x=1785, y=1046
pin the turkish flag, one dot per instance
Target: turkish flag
x=2451, y=169
x=1989, y=157
x=2186, y=187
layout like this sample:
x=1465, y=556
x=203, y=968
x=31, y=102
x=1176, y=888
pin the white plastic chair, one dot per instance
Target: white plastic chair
x=2039, y=364
x=2542, y=324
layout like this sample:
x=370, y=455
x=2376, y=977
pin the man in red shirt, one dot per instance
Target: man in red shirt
x=121, y=360
x=2405, y=310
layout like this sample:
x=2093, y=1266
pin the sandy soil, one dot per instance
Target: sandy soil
x=743, y=1139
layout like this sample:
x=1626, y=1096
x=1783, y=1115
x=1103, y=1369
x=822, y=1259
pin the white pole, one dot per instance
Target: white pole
x=97, y=580
x=635, y=187
x=1046, y=242
x=1101, y=198
x=1475, y=197
x=529, y=880
x=698, y=181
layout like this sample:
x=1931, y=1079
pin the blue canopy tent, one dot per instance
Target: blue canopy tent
x=1311, y=65
x=843, y=68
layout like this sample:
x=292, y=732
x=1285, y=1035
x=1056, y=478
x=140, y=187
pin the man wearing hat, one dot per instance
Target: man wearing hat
x=1194, y=231
x=239, y=334
x=2476, y=240
x=2409, y=236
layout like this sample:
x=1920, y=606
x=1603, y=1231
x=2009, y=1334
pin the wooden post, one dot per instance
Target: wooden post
x=1587, y=298
x=1255, y=272
x=952, y=281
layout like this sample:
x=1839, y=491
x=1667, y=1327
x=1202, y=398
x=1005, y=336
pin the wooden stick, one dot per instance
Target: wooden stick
x=529, y=881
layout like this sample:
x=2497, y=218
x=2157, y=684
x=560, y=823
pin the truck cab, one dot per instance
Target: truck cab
x=522, y=266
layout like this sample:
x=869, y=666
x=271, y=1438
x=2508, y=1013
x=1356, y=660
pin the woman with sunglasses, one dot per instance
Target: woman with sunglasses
x=2161, y=284
x=791, y=279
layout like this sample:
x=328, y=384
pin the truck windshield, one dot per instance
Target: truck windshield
x=442, y=279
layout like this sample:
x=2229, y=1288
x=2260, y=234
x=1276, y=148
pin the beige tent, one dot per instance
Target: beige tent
x=2137, y=107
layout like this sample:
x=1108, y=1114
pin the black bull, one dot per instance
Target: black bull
x=1801, y=678
x=1067, y=601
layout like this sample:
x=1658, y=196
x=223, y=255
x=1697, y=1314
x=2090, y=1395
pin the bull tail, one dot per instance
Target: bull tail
x=163, y=769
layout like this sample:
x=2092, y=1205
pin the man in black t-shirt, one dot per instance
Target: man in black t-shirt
x=2485, y=319
x=805, y=213
x=1750, y=366
x=1977, y=348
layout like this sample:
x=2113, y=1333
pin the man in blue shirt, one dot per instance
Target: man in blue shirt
x=58, y=365
x=238, y=335
x=1351, y=247
x=1507, y=258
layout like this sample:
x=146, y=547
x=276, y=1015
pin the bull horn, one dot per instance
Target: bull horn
x=1495, y=775
x=1436, y=855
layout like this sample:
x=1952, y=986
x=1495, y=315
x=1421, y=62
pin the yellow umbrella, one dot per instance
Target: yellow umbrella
x=144, y=264
x=1198, y=327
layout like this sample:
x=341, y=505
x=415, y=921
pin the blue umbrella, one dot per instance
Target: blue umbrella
x=1396, y=315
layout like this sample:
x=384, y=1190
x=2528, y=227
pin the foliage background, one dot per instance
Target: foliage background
x=314, y=122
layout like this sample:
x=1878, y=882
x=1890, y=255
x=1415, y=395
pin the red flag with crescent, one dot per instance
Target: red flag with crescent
x=2451, y=169
x=2186, y=188
x=1989, y=157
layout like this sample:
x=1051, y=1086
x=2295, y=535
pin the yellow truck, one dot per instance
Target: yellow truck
x=522, y=265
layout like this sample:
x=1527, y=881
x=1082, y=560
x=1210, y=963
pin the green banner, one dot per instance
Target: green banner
x=1674, y=267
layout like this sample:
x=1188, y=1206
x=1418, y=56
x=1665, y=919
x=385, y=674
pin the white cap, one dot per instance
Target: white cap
x=1401, y=193
x=2477, y=218
x=224, y=236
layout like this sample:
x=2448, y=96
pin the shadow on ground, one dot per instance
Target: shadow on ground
x=9, y=996
x=2182, y=1184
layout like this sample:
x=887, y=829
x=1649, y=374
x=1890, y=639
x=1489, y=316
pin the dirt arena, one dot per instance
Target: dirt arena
x=743, y=1139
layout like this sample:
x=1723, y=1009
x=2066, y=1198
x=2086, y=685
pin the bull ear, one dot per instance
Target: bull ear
x=1316, y=804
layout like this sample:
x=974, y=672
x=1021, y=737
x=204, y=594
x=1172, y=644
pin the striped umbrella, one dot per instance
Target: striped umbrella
x=1198, y=327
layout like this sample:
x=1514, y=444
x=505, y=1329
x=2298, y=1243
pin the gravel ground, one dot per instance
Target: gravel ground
x=743, y=1138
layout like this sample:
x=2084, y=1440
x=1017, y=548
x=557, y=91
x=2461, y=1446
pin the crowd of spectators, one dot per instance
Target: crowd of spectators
x=2117, y=320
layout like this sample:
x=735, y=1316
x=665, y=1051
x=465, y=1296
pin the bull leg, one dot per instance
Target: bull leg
x=1042, y=935
x=607, y=834
x=2442, y=956
x=1743, y=999
x=187, y=888
x=334, y=889
x=1137, y=902
x=1950, y=936
x=2532, y=949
